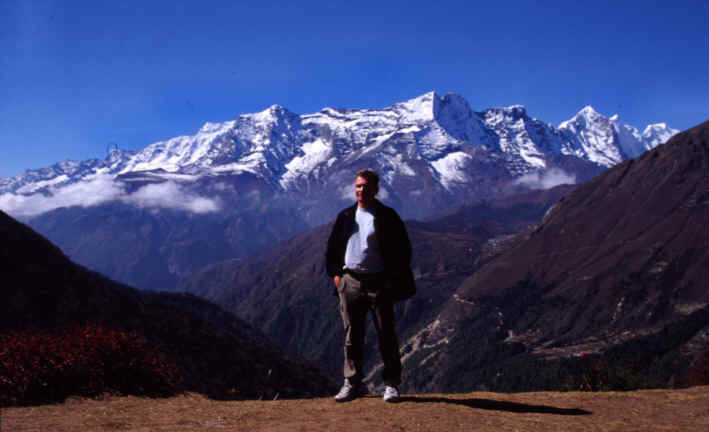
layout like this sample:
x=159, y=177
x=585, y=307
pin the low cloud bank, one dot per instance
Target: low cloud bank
x=170, y=195
x=103, y=189
x=546, y=179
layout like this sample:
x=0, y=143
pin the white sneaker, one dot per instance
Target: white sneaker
x=347, y=392
x=391, y=394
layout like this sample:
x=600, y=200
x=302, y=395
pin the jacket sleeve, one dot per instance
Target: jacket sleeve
x=403, y=243
x=333, y=254
x=396, y=246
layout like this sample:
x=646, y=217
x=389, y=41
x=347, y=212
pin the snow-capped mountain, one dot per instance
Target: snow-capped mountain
x=657, y=134
x=607, y=141
x=441, y=135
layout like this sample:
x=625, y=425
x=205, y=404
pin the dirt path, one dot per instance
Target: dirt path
x=651, y=410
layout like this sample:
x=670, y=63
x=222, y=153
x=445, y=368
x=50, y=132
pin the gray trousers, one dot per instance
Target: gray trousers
x=358, y=295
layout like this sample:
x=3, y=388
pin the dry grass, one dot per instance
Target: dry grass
x=650, y=410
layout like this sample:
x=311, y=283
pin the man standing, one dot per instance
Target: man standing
x=367, y=249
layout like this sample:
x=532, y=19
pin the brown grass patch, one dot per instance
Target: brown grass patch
x=647, y=410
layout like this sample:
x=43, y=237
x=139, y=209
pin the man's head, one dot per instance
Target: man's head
x=366, y=187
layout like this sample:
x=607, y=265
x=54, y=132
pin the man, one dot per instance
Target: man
x=367, y=249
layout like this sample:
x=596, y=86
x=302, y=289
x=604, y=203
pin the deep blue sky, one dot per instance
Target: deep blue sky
x=76, y=76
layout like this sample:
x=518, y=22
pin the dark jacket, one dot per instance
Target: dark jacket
x=394, y=244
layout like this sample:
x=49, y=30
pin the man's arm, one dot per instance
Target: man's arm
x=333, y=253
x=403, y=241
x=400, y=241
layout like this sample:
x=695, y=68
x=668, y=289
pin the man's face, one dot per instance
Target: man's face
x=364, y=191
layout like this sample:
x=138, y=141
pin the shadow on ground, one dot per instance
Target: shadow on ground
x=495, y=405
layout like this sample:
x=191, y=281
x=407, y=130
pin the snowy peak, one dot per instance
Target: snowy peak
x=273, y=114
x=431, y=107
x=593, y=137
x=525, y=141
x=589, y=112
x=456, y=117
x=440, y=121
x=606, y=140
x=586, y=118
x=419, y=109
x=658, y=133
x=175, y=153
x=260, y=143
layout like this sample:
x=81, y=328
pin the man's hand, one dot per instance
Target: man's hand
x=337, y=280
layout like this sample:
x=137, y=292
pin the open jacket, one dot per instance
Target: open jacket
x=394, y=244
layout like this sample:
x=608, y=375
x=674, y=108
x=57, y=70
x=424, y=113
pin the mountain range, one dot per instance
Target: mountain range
x=151, y=217
x=291, y=152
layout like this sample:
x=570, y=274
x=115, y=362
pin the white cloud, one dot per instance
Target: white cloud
x=102, y=189
x=84, y=194
x=170, y=195
x=546, y=179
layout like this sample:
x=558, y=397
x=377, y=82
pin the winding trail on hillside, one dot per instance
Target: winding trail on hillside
x=646, y=410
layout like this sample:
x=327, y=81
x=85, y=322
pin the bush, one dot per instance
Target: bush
x=41, y=367
x=699, y=370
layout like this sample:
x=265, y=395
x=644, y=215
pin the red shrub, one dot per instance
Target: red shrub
x=40, y=367
x=698, y=373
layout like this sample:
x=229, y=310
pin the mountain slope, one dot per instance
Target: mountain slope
x=286, y=291
x=43, y=290
x=614, y=273
x=152, y=249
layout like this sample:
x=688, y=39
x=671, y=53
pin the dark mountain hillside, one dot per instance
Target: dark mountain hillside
x=215, y=353
x=153, y=248
x=516, y=212
x=286, y=292
x=614, y=275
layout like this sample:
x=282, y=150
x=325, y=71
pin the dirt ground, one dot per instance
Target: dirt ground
x=648, y=410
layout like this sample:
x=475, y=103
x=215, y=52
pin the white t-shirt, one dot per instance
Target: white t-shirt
x=362, y=254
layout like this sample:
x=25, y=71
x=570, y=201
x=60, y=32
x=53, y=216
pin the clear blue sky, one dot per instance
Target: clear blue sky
x=76, y=76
